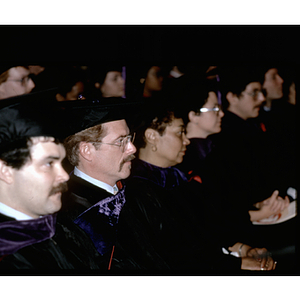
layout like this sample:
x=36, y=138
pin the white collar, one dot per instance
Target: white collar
x=111, y=189
x=11, y=212
x=266, y=108
x=175, y=74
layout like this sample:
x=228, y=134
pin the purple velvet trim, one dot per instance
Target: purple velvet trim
x=168, y=178
x=15, y=235
x=100, y=219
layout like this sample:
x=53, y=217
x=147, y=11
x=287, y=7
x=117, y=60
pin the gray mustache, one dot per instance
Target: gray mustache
x=129, y=158
x=126, y=159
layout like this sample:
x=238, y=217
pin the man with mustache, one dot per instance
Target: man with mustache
x=101, y=149
x=239, y=173
x=32, y=181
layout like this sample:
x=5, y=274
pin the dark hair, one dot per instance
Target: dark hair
x=193, y=94
x=69, y=78
x=198, y=93
x=157, y=118
x=16, y=154
x=235, y=78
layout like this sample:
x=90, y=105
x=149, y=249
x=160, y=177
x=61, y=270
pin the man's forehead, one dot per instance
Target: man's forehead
x=47, y=148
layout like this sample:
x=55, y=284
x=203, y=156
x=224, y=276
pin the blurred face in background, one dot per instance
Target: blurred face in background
x=77, y=89
x=273, y=84
x=209, y=122
x=153, y=80
x=113, y=85
x=248, y=104
x=17, y=83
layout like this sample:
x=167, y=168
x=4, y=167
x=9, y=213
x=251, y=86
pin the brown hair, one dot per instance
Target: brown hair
x=4, y=76
x=89, y=135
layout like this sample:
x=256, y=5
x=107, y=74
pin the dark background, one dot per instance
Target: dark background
x=134, y=44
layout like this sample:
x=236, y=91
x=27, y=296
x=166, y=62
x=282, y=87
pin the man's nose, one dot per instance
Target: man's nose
x=30, y=85
x=63, y=175
x=130, y=148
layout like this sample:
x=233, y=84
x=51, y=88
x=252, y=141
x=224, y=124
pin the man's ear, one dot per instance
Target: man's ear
x=6, y=173
x=142, y=80
x=232, y=98
x=85, y=150
x=151, y=136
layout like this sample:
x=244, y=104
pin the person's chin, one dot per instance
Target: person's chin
x=55, y=206
x=179, y=159
x=56, y=198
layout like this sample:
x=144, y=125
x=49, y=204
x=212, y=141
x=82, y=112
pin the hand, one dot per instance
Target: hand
x=272, y=205
x=276, y=203
x=262, y=255
x=250, y=263
x=257, y=252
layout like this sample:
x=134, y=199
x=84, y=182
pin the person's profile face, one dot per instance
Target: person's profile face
x=111, y=162
x=17, y=83
x=210, y=122
x=273, y=84
x=39, y=184
x=113, y=85
x=77, y=89
x=171, y=146
x=154, y=79
x=250, y=101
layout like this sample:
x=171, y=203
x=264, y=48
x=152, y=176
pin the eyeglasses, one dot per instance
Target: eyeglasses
x=255, y=93
x=217, y=108
x=122, y=142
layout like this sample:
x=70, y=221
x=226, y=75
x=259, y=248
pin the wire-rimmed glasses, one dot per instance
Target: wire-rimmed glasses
x=122, y=142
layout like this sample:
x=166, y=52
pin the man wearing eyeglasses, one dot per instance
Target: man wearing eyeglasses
x=15, y=81
x=240, y=174
x=101, y=150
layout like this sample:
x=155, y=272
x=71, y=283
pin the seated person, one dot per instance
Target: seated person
x=278, y=118
x=107, y=81
x=239, y=175
x=99, y=148
x=15, y=81
x=203, y=118
x=157, y=233
x=152, y=81
x=32, y=181
x=72, y=85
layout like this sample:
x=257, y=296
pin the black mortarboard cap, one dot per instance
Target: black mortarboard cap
x=82, y=114
x=22, y=117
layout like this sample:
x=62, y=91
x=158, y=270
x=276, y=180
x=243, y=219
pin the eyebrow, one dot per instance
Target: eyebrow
x=122, y=136
x=51, y=157
x=181, y=126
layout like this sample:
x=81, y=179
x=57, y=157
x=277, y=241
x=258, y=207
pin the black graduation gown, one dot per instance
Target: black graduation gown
x=238, y=173
x=156, y=234
x=96, y=212
x=57, y=250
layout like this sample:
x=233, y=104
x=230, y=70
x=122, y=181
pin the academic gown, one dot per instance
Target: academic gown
x=44, y=246
x=239, y=172
x=96, y=212
x=156, y=233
